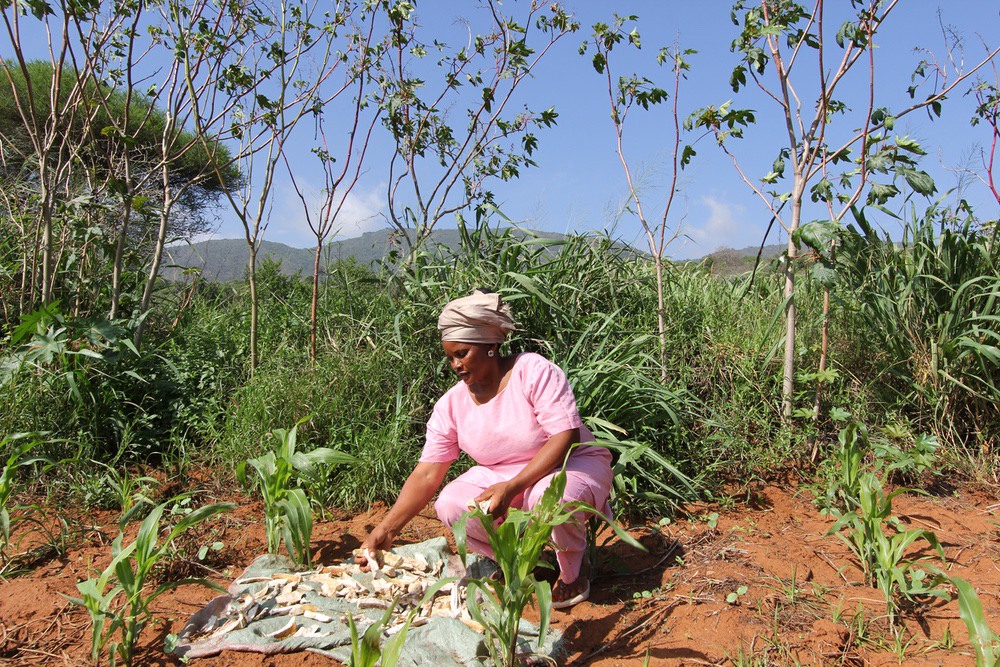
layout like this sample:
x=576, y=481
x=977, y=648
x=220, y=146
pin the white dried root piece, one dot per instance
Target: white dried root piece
x=317, y=616
x=398, y=627
x=289, y=598
x=294, y=610
x=370, y=558
x=311, y=633
x=229, y=626
x=284, y=631
x=331, y=587
x=484, y=505
x=382, y=587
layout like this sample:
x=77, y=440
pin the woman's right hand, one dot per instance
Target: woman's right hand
x=418, y=490
x=378, y=540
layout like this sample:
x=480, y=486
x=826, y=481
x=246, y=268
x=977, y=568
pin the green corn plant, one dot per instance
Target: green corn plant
x=121, y=613
x=287, y=514
x=21, y=444
x=984, y=641
x=882, y=557
x=865, y=524
x=843, y=487
x=517, y=545
x=895, y=575
x=852, y=439
x=106, y=620
x=367, y=650
x=296, y=525
x=129, y=492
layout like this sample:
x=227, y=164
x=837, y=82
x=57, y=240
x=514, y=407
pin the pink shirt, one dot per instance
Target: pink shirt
x=536, y=404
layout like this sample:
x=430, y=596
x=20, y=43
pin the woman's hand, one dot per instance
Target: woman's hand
x=418, y=490
x=378, y=540
x=500, y=497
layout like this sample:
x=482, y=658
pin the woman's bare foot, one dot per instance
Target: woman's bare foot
x=568, y=594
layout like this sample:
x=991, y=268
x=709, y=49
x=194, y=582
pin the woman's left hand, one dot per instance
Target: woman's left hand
x=501, y=496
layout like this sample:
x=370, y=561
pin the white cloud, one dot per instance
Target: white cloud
x=723, y=225
x=288, y=224
x=196, y=238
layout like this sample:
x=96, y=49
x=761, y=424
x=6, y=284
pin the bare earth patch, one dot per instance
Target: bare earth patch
x=682, y=603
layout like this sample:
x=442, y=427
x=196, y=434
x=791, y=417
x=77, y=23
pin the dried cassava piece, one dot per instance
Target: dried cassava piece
x=395, y=581
x=484, y=505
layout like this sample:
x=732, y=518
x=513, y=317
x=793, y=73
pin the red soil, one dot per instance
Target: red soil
x=804, y=603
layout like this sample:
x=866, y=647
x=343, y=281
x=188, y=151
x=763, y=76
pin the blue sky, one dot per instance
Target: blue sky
x=579, y=184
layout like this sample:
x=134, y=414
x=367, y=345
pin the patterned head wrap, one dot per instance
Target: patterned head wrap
x=479, y=318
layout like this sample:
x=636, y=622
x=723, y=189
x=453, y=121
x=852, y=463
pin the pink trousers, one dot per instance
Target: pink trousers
x=588, y=478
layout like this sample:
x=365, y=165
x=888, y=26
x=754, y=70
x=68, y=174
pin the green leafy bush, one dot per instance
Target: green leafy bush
x=932, y=302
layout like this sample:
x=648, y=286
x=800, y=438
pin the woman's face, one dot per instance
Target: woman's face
x=470, y=361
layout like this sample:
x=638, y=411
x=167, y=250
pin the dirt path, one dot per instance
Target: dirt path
x=803, y=602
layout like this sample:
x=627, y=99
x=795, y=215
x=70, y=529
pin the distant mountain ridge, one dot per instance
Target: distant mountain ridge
x=222, y=260
x=729, y=261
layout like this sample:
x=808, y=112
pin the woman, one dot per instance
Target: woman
x=516, y=416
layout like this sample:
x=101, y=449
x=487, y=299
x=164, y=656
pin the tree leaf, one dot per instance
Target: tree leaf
x=818, y=234
x=920, y=181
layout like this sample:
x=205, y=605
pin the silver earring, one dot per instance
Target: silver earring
x=490, y=353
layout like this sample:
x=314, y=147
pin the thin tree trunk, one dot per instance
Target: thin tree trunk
x=154, y=267
x=36, y=249
x=788, y=373
x=661, y=318
x=80, y=271
x=46, y=247
x=315, y=302
x=252, y=279
x=116, y=272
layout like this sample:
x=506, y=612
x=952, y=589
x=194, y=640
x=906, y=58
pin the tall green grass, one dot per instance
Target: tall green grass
x=932, y=307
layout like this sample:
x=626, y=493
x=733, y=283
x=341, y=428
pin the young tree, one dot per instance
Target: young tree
x=777, y=39
x=626, y=93
x=362, y=114
x=451, y=122
x=109, y=135
x=48, y=99
x=265, y=93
